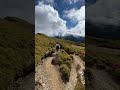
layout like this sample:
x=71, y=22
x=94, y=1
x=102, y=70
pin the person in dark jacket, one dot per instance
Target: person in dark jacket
x=57, y=47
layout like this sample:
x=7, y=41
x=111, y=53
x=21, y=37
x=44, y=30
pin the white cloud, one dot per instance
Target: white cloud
x=105, y=11
x=71, y=1
x=75, y=15
x=79, y=29
x=48, y=21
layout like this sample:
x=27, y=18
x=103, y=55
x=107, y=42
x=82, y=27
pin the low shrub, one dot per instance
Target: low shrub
x=63, y=58
x=64, y=61
x=69, y=49
x=68, y=63
x=65, y=71
x=79, y=85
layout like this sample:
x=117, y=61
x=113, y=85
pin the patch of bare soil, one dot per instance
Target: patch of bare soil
x=48, y=77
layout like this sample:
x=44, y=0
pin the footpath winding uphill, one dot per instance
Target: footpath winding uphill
x=48, y=76
x=73, y=75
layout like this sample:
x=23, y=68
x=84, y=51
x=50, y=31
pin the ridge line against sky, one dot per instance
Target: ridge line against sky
x=60, y=17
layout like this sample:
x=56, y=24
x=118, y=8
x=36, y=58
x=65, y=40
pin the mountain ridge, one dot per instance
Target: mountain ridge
x=72, y=38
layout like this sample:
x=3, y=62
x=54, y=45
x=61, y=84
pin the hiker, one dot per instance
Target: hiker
x=57, y=47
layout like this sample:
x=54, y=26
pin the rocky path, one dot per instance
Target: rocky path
x=53, y=75
x=41, y=79
x=73, y=75
x=81, y=63
x=47, y=76
x=73, y=79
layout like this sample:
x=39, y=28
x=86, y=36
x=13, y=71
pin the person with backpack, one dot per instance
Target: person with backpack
x=57, y=47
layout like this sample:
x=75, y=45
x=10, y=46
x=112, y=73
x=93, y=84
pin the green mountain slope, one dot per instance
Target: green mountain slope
x=16, y=50
x=45, y=47
x=17, y=45
x=104, y=54
x=44, y=43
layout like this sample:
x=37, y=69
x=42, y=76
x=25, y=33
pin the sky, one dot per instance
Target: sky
x=60, y=17
x=104, y=12
x=23, y=9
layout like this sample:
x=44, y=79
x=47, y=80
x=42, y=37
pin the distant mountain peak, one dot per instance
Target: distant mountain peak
x=72, y=38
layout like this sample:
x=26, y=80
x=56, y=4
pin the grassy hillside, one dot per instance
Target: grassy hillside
x=103, y=49
x=108, y=43
x=17, y=46
x=16, y=50
x=104, y=54
x=44, y=44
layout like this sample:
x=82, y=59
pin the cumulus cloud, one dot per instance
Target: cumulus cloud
x=79, y=29
x=104, y=11
x=75, y=15
x=48, y=21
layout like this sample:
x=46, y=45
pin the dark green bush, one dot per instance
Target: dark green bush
x=68, y=63
x=59, y=61
x=65, y=71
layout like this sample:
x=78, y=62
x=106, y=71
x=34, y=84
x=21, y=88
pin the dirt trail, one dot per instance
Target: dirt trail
x=73, y=79
x=102, y=81
x=48, y=77
x=73, y=75
x=53, y=75
x=79, y=61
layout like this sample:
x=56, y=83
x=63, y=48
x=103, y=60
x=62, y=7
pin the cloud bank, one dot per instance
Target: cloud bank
x=77, y=16
x=104, y=11
x=48, y=21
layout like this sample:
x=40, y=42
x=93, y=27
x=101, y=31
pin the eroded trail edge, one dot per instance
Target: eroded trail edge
x=48, y=77
x=73, y=75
